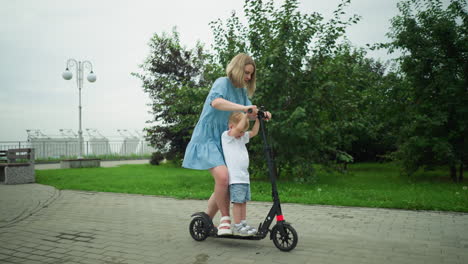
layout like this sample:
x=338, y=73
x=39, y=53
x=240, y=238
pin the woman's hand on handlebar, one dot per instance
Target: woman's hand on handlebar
x=251, y=111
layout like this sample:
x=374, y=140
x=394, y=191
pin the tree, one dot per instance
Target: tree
x=177, y=80
x=316, y=87
x=353, y=93
x=434, y=44
x=326, y=96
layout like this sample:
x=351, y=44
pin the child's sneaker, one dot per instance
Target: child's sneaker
x=240, y=230
x=250, y=228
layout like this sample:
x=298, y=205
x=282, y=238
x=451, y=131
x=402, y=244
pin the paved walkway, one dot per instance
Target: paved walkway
x=39, y=224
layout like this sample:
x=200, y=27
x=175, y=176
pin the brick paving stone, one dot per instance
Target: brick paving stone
x=39, y=224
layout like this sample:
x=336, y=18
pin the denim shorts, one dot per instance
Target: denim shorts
x=239, y=192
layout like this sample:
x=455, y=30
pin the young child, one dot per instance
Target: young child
x=237, y=161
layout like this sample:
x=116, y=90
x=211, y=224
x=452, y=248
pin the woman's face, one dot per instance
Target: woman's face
x=248, y=72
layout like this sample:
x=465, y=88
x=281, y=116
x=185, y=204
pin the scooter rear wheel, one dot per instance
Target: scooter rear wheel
x=197, y=229
x=284, y=241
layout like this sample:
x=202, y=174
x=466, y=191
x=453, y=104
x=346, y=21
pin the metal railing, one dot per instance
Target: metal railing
x=64, y=148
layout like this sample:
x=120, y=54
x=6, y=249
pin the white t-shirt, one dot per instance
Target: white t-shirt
x=236, y=157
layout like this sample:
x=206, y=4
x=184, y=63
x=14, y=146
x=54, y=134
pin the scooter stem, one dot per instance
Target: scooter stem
x=270, y=162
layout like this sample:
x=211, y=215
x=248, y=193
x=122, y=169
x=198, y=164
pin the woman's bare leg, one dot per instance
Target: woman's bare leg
x=212, y=206
x=219, y=200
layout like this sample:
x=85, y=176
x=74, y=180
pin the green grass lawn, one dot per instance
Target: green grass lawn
x=365, y=185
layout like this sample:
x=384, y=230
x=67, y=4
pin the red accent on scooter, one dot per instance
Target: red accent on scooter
x=279, y=218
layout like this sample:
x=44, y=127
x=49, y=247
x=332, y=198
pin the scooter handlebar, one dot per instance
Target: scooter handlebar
x=260, y=113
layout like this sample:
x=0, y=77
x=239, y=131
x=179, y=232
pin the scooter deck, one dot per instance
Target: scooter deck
x=255, y=237
x=240, y=237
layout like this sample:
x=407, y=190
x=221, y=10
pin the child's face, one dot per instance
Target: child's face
x=235, y=133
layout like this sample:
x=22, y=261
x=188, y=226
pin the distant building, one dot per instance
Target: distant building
x=130, y=142
x=99, y=144
x=65, y=145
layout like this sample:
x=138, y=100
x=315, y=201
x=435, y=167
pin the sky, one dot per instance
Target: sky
x=38, y=37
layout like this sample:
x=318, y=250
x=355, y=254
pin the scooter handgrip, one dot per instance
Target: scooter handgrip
x=261, y=114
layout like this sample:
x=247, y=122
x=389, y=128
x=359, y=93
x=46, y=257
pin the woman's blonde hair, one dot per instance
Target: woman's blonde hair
x=236, y=117
x=235, y=72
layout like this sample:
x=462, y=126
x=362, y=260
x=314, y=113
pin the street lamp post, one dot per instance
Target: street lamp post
x=67, y=75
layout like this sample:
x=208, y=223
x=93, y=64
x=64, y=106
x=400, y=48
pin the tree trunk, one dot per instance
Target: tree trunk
x=453, y=173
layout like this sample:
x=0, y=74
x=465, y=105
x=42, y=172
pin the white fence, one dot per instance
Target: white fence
x=69, y=148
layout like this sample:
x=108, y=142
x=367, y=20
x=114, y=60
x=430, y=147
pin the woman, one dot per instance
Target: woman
x=204, y=150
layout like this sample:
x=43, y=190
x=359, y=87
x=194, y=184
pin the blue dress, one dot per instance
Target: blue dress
x=204, y=150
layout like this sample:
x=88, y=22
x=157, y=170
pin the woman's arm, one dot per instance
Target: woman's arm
x=225, y=105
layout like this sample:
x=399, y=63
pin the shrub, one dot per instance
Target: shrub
x=156, y=158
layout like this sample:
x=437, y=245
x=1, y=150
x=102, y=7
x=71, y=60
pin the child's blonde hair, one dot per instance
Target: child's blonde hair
x=237, y=117
x=235, y=72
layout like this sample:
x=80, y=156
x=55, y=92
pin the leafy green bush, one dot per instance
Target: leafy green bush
x=156, y=158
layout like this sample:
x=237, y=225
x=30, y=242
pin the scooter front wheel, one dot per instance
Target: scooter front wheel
x=284, y=237
x=197, y=228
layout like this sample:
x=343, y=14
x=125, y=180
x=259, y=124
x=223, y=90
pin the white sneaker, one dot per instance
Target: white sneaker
x=240, y=230
x=250, y=228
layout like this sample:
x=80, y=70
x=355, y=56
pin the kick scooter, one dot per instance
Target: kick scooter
x=284, y=236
